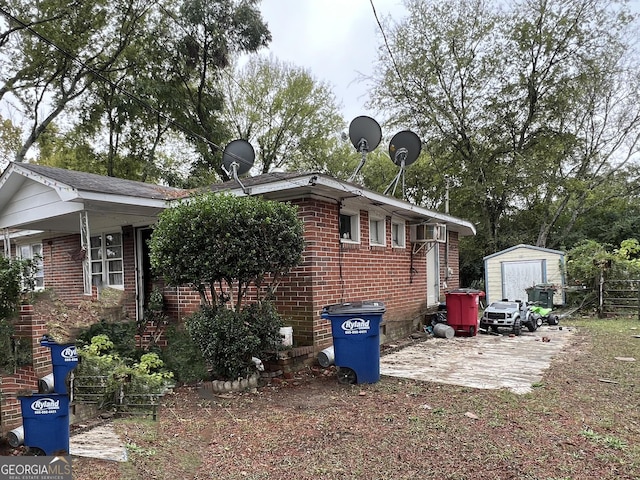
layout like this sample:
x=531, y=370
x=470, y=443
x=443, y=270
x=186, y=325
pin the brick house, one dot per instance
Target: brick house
x=90, y=232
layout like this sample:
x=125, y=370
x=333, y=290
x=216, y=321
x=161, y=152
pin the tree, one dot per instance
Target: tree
x=588, y=260
x=525, y=106
x=292, y=118
x=223, y=244
x=10, y=140
x=124, y=73
x=208, y=34
x=55, y=51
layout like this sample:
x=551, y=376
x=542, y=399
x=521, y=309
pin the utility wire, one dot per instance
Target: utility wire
x=396, y=68
x=147, y=105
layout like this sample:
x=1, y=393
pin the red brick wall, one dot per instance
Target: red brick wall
x=334, y=272
x=62, y=262
x=27, y=328
x=331, y=272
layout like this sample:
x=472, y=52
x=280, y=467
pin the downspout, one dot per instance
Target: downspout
x=446, y=242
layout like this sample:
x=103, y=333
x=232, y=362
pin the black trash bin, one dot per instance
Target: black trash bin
x=355, y=327
x=541, y=294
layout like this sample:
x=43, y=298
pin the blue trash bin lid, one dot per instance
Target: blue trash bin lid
x=348, y=308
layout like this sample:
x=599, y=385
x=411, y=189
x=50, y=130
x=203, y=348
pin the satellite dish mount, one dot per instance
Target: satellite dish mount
x=237, y=159
x=365, y=135
x=404, y=149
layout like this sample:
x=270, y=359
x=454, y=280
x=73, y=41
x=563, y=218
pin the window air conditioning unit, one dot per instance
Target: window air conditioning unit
x=428, y=232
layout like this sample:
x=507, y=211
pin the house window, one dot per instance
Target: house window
x=107, y=267
x=398, y=230
x=349, y=227
x=377, y=231
x=34, y=252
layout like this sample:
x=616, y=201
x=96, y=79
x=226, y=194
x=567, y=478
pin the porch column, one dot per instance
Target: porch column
x=85, y=244
x=7, y=244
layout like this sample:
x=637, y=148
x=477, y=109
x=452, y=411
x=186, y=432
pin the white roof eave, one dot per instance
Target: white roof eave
x=308, y=181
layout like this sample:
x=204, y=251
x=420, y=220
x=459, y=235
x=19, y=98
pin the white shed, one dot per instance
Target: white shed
x=508, y=273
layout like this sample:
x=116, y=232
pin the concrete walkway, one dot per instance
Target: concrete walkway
x=483, y=361
x=98, y=442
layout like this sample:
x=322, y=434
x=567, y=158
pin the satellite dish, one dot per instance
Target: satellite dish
x=404, y=148
x=365, y=134
x=238, y=157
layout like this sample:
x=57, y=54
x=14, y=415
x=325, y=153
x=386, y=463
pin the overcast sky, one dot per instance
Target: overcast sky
x=336, y=40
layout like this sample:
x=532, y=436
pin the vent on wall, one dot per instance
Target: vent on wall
x=428, y=232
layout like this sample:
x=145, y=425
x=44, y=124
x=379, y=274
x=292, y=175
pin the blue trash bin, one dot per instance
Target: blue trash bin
x=45, y=420
x=64, y=358
x=355, y=327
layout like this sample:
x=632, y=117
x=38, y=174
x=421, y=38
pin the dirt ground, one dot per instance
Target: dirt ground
x=580, y=421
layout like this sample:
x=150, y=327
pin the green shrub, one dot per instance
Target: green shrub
x=225, y=340
x=121, y=334
x=264, y=321
x=99, y=359
x=221, y=244
x=183, y=357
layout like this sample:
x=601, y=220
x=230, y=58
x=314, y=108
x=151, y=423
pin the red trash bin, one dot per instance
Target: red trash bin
x=462, y=311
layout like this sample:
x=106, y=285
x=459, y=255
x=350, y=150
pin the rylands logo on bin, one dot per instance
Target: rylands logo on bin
x=355, y=326
x=45, y=406
x=35, y=468
x=70, y=354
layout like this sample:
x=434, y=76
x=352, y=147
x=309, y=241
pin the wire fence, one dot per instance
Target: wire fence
x=96, y=390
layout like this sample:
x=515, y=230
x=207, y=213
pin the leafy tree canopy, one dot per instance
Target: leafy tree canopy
x=292, y=118
x=531, y=108
x=121, y=75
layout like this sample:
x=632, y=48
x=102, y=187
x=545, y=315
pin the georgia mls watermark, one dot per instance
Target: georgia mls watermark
x=35, y=468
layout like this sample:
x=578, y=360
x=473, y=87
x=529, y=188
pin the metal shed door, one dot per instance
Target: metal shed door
x=517, y=276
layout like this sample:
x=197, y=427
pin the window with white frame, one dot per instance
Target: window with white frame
x=377, y=230
x=34, y=252
x=107, y=266
x=349, y=227
x=398, y=229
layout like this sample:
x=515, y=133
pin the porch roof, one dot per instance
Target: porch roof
x=48, y=199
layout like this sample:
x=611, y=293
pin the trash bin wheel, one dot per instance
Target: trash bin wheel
x=35, y=452
x=346, y=376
